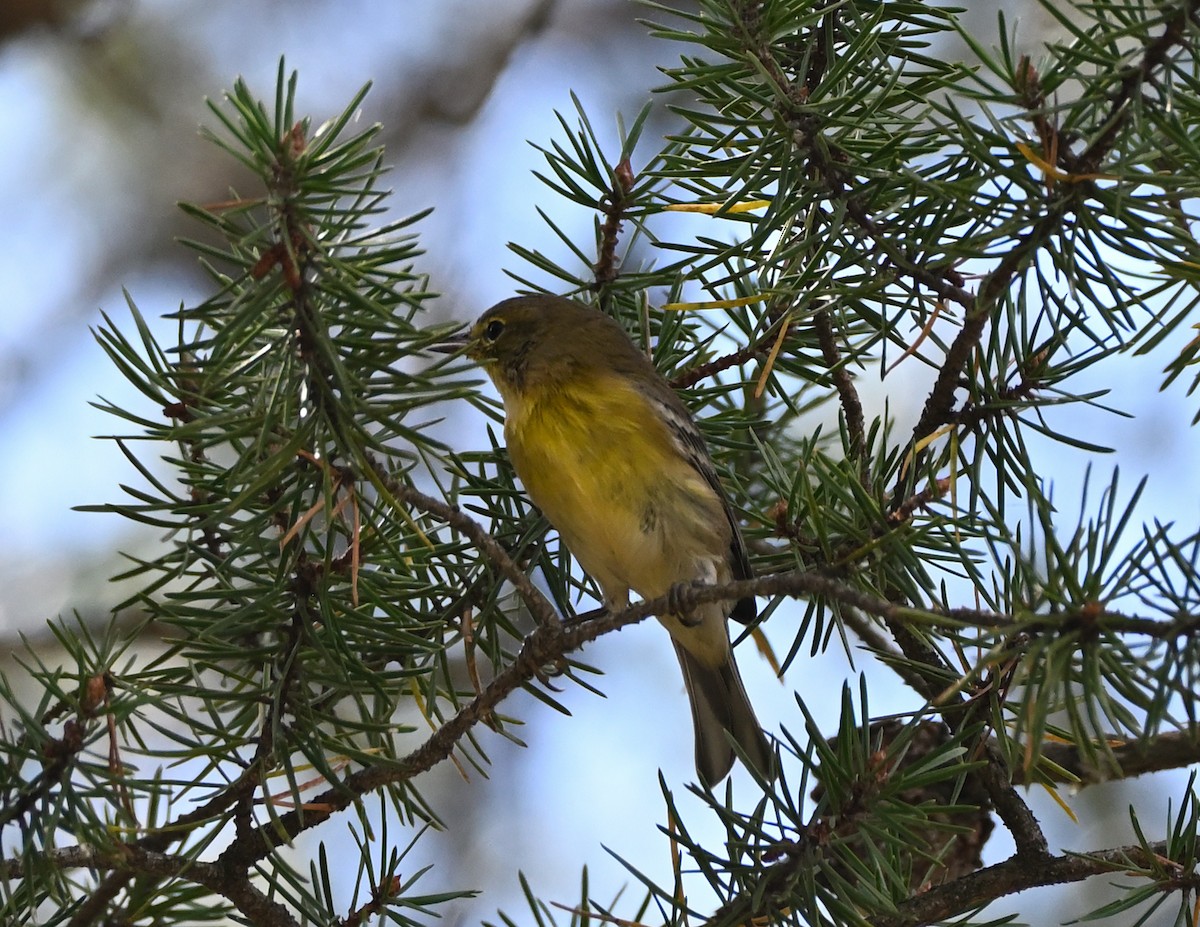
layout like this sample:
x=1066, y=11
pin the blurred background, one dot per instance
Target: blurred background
x=101, y=101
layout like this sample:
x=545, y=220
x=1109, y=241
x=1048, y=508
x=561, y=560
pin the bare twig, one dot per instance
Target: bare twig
x=613, y=205
x=852, y=408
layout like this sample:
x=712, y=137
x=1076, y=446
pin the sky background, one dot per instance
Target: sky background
x=101, y=113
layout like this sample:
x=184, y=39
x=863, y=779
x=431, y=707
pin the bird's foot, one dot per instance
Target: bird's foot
x=678, y=605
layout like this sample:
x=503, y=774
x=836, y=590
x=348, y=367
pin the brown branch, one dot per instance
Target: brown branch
x=548, y=644
x=493, y=551
x=545, y=645
x=940, y=401
x=773, y=889
x=1120, y=107
x=851, y=405
x=381, y=895
x=1008, y=400
x=613, y=206
x=235, y=886
x=58, y=755
x=760, y=347
x=901, y=514
x=159, y=840
x=994, y=775
x=1016, y=874
x=91, y=908
x=258, y=908
x=1174, y=750
x=828, y=163
x=1088, y=619
x=826, y=160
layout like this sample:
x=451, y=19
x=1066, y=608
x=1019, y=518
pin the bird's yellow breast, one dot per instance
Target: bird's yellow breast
x=602, y=466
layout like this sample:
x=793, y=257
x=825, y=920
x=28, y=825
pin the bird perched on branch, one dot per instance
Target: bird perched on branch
x=609, y=453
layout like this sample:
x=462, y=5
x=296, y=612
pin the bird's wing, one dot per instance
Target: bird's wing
x=691, y=445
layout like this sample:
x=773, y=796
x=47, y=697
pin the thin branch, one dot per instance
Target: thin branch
x=1173, y=750
x=994, y=775
x=851, y=405
x=760, y=347
x=903, y=513
x=493, y=551
x=1121, y=105
x=945, y=283
x=58, y=756
x=258, y=908
x=939, y=404
x=97, y=901
x=233, y=885
x=960, y=896
x=381, y=896
x=1016, y=874
x=548, y=644
x=1088, y=619
x=613, y=205
x=938, y=409
x=545, y=645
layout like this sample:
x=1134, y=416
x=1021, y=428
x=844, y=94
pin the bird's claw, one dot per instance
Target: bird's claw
x=677, y=604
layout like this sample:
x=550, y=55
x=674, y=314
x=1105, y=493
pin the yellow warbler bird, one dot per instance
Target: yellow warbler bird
x=609, y=453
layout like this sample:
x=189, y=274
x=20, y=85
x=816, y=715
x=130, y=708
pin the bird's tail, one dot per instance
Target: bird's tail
x=719, y=704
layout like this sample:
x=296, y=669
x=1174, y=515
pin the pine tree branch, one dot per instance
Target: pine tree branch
x=129, y=861
x=157, y=842
x=852, y=408
x=801, y=144
x=1172, y=750
x=826, y=159
x=939, y=404
x=1121, y=108
x=1016, y=874
x=546, y=645
x=95, y=906
x=613, y=206
x=758, y=348
x=938, y=409
x=58, y=757
x=493, y=551
x=961, y=896
x=995, y=775
x=1088, y=619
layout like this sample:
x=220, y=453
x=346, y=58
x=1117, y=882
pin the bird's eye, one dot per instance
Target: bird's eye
x=493, y=330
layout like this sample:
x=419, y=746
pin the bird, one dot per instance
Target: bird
x=609, y=453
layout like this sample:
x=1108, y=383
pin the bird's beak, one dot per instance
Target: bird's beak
x=451, y=344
